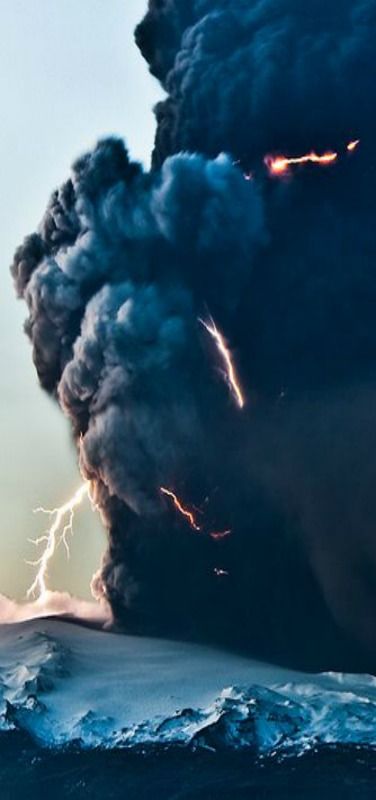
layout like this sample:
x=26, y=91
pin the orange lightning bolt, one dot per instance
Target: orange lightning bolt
x=279, y=165
x=189, y=516
x=61, y=526
x=227, y=360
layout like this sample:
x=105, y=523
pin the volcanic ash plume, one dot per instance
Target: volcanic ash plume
x=114, y=305
x=209, y=331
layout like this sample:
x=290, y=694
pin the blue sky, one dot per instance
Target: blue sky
x=69, y=74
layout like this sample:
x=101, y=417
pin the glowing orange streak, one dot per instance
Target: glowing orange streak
x=226, y=357
x=353, y=145
x=184, y=511
x=56, y=534
x=280, y=164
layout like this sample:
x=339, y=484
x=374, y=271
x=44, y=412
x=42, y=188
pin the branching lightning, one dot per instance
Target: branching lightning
x=230, y=372
x=62, y=525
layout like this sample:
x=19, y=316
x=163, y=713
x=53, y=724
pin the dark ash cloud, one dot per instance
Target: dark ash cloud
x=250, y=78
x=124, y=264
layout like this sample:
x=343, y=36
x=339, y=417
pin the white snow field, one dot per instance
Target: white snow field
x=65, y=683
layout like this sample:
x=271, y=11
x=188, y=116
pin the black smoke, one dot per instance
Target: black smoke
x=252, y=77
x=126, y=262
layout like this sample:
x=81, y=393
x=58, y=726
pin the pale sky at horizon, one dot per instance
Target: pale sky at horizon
x=70, y=73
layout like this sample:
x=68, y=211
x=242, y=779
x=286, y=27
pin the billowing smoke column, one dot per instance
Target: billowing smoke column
x=127, y=266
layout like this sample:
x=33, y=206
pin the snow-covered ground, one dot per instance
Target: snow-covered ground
x=65, y=683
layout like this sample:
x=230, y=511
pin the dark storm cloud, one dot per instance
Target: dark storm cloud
x=126, y=262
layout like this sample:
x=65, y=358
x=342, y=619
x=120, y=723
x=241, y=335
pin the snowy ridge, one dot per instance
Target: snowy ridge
x=25, y=679
x=61, y=695
x=282, y=719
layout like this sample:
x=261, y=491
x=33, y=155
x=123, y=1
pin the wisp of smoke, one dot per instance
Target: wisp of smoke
x=56, y=604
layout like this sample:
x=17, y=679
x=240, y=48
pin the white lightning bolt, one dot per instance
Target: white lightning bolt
x=61, y=526
x=225, y=354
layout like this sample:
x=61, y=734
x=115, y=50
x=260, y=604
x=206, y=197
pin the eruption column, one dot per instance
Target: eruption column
x=56, y=534
x=227, y=360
